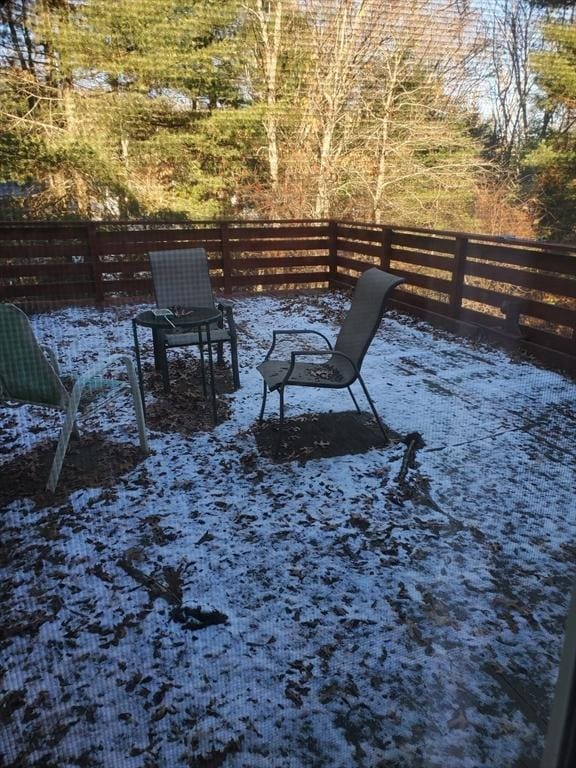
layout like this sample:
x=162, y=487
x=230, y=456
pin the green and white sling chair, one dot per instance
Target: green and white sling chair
x=29, y=374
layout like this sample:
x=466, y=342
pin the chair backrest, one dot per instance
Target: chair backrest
x=181, y=278
x=25, y=372
x=365, y=314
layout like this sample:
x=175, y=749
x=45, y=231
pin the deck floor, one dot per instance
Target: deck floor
x=348, y=604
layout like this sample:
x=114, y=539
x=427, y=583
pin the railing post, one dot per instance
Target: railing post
x=226, y=257
x=386, y=255
x=332, y=253
x=458, y=274
x=94, y=261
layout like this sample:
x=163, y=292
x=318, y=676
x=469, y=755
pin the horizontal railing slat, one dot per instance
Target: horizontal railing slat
x=138, y=286
x=356, y=264
x=46, y=270
x=365, y=249
x=173, y=238
x=281, y=279
x=534, y=280
x=270, y=262
x=551, y=312
x=534, y=259
x=423, y=243
x=425, y=281
x=50, y=291
x=238, y=232
x=549, y=340
x=34, y=250
x=359, y=233
x=408, y=298
x=256, y=246
x=36, y=231
x=121, y=267
x=422, y=259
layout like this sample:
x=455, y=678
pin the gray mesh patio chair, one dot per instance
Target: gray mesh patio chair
x=344, y=361
x=182, y=281
x=29, y=375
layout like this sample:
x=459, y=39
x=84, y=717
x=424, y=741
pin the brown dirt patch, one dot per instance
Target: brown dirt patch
x=185, y=409
x=91, y=462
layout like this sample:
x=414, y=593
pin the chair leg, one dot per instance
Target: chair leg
x=220, y=353
x=202, y=369
x=383, y=429
x=138, y=408
x=353, y=399
x=62, y=447
x=264, y=394
x=235, y=369
x=280, y=423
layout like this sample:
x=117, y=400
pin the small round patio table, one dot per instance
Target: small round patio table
x=197, y=320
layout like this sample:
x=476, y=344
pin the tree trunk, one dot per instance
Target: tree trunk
x=269, y=21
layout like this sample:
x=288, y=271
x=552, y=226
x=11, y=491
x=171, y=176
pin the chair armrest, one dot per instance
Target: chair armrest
x=84, y=379
x=100, y=367
x=295, y=332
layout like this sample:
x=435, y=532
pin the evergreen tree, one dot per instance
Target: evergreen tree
x=103, y=103
x=553, y=162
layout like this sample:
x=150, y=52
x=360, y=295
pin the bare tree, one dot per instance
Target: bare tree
x=513, y=33
x=386, y=81
x=416, y=104
x=267, y=18
x=346, y=37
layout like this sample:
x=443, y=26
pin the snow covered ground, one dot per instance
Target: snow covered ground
x=208, y=606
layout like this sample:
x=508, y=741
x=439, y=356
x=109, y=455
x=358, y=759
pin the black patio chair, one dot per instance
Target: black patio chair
x=182, y=282
x=342, y=367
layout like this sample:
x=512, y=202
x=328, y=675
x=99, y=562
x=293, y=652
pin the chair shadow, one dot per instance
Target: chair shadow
x=324, y=435
x=93, y=461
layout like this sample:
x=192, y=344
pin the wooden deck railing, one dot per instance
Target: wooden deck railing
x=517, y=290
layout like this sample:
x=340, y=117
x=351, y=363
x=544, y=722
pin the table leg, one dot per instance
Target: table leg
x=157, y=351
x=160, y=357
x=211, y=368
x=202, y=365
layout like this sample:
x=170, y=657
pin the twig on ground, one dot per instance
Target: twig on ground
x=171, y=592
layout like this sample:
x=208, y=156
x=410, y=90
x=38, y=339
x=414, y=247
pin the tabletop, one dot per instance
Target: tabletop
x=190, y=318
